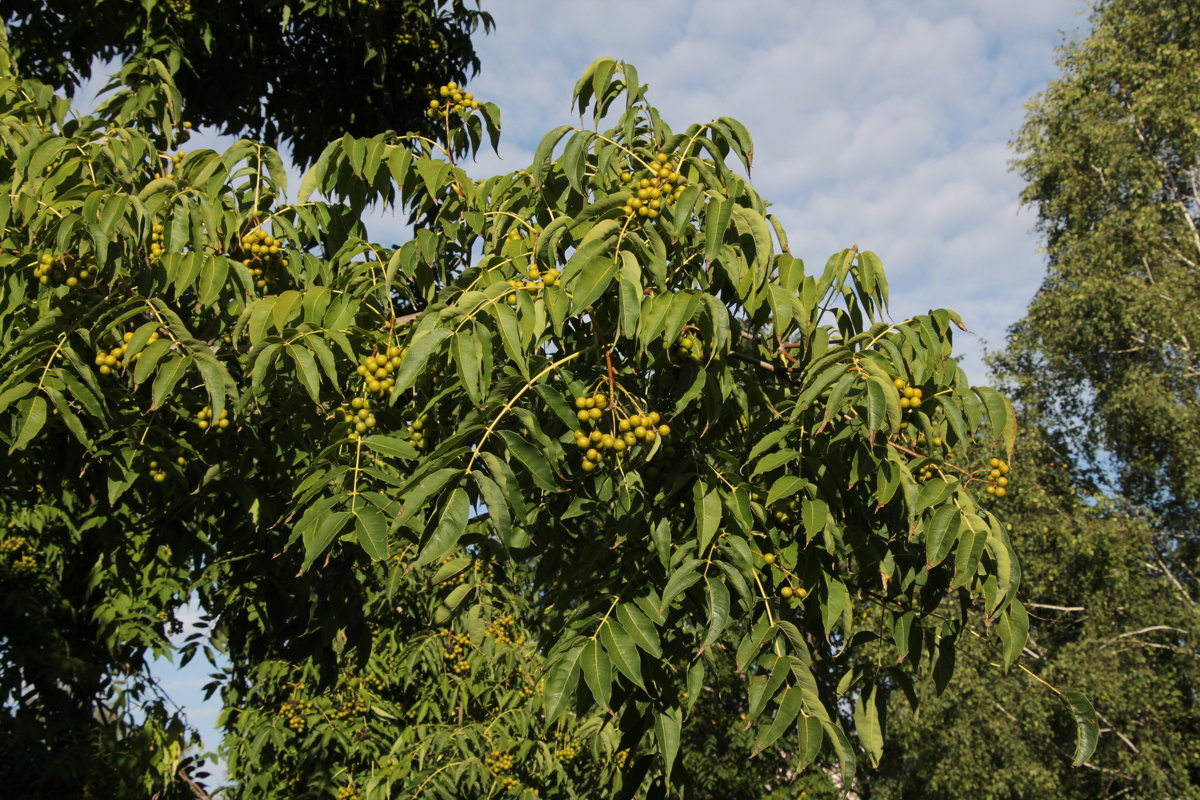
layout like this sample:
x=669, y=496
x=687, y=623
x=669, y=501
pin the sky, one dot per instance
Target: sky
x=879, y=123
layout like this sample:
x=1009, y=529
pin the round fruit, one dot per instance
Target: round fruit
x=786, y=593
x=769, y=558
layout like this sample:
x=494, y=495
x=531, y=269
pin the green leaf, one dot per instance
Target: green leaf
x=684, y=576
x=789, y=702
x=417, y=357
x=597, y=671
x=718, y=609
x=32, y=413
x=559, y=683
x=317, y=538
x=668, y=725
x=785, y=486
x=940, y=534
x=708, y=515
x=1087, y=731
x=391, y=446
x=866, y=723
x=372, y=529
x=589, y=280
x=640, y=629
x=451, y=603
x=622, y=650
x=451, y=526
x=149, y=358
x=306, y=369
x=532, y=458
x=808, y=741
x=166, y=379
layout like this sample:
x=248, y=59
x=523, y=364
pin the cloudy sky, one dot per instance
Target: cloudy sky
x=880, y=123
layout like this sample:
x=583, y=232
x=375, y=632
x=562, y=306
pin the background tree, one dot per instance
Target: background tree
x=304, y=73
x=605, y=372
x=1104, y=514
x=1100, y=621
x=1110, y=153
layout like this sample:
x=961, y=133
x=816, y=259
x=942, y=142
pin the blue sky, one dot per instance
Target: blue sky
x=876, y=122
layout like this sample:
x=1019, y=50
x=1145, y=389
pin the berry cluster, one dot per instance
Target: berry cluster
x=998, y=477
x=358, y=417
x=377, y=369
x=452, y=99
x=204, y=420
x=417, y=431
x=157, y=242
x=20, y=555
x=453, y=649
x=348, y=707
x=157, y=473
x=176, y=159
x=66, y=270
x=568, y=746
x=657, y=187
x=910, y=396
x=788, y=591
x=535, y=281
x=501, y=629
x=689, y=347
x=264, y=256
x=348, y=792
x=629, y=431
x=927, y=472
x=293, y=713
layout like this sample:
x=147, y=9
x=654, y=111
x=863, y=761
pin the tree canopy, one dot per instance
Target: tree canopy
x=594, y=434
x=300, y=72
x=1109, y=152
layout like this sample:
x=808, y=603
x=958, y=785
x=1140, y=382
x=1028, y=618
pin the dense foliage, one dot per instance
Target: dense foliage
x=301, y=72
x=594, y=403
x=1103, y=374
x=1109, y=152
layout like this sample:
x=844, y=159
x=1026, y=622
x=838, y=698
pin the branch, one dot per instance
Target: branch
x=191, y=784
x=1075, y=609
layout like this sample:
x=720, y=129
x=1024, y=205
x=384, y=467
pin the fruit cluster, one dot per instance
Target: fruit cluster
x=157, y=242
x=451, y=98
x=568, y=746
x=689, y=348
x=264, y=256
x=910, y=396
x=348, y=707
x=348, y=792
x=628, y=432
x=293, y=713
x=358, y=417
x=377, y=369
x=535, y=281
x=66, y=270
x=657, y=187
x=453, y=650
x=998, y=478
x=417, y=430
x=176, y=159
x=18, y=549
x=927, y=472
x=157, y=473
x=499, y=762
x=204, y=420
x=502, y=630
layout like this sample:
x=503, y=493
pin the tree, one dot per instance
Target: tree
x=1101, y=622
x=304, y=73
x=1103, y=513
x=1109, y=152
x=602, y=379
